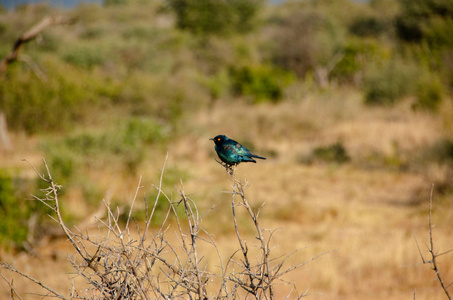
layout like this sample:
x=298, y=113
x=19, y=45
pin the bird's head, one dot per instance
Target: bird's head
x=218, y=140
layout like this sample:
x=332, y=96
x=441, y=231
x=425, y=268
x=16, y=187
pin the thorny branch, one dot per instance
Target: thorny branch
x=261, y=276
x=11, y=268
x=433, y=254
x=119, y=263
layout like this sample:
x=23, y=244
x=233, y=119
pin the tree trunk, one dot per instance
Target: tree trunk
x=5, y=142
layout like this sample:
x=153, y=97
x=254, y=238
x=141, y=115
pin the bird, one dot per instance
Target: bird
x=231, y=152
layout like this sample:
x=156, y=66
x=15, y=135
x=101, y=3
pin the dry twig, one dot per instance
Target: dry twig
x=433, y=254
x=29, y=35
x=258, y=279
x=120, y=263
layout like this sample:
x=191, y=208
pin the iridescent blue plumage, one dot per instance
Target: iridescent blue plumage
x=231, y=152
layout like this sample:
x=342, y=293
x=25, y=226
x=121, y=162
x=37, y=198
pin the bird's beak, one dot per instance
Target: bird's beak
x=211, y=139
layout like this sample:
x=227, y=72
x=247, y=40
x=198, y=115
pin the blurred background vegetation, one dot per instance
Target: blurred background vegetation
x=129, y=76
x=350, y=101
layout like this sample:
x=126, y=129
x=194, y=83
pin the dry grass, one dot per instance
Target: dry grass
x=366, y=214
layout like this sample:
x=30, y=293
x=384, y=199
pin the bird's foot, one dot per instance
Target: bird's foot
x=229, y=168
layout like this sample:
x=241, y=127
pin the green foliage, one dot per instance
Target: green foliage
x=389, y=82
x=429, y=93
x=440, y=33
x=34, y=105
x=50, y=42
x=87, y=13
x=124, y=145
x=332, y=153
x=440, y=153
x=16, y=208
x=218, y=17
x=429, y=20
x=126, y=141
x=115, y=2
x=13, y=226
x=86, y=56
x=305, y=39
x=262, y=82
x=357, y=54
x=217, y=84
x=444, y=151
x=142, y=130
x=3, y=27
x=429, y=25
x=368, y=26
x=375, y=20
x=93, y=32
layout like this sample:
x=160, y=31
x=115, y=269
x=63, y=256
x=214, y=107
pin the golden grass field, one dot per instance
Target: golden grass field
x=366, y=213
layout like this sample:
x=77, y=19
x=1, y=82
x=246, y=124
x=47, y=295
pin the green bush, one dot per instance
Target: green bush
x=86, y=56
x=441, y=151
x=52, y=104
x=387, y=83
x=429, y=93
x=115, y=2
x=218, y=17
x=217, y=84
x=124, y=143
x=63, y=163
x=86, y=13
x=261, y=82
x=16, y=209
x=426, y=20
x=357, y=54
x=93, y=32
x=368, y=26
x=13, y=226
x=376, y=19
x=141, y=32
x=332, y=153
x=3, y=27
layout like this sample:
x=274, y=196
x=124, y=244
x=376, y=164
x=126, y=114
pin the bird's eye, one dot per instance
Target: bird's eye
x=218, y=139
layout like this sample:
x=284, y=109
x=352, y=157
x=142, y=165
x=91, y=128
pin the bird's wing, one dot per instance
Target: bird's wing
x=230, y=147
x=237, y=148
x=241, y=150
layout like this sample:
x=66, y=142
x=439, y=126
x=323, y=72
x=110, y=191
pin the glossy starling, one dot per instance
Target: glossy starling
x=231, y=152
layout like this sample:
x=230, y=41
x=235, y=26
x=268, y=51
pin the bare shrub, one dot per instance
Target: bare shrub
x=118, y=262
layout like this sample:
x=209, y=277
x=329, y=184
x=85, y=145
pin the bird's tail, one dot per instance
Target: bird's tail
x=248, y=159
x=256, y=156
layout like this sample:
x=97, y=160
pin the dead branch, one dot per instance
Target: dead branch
x=118, y=263
x=431, y=248
x=260, y=277
x=53, y=292
x=29, y=35
x=12, y=290
x=433, y=254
